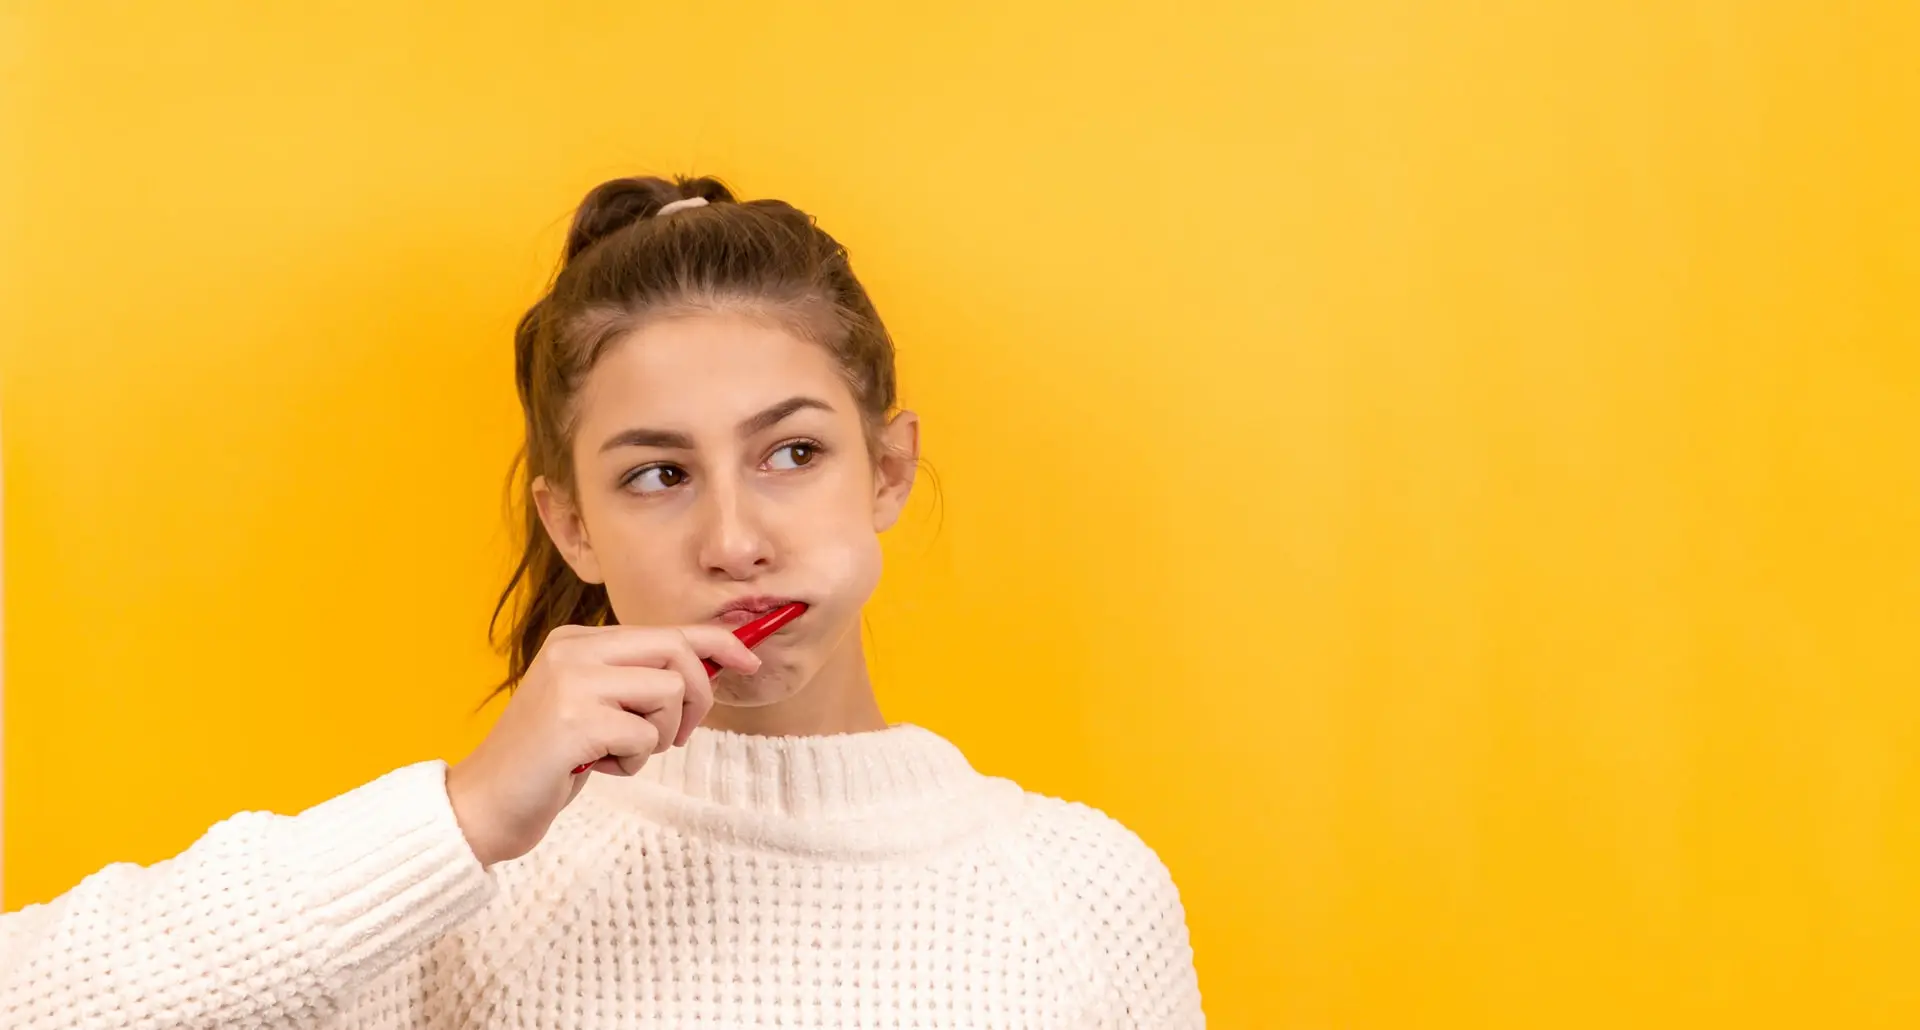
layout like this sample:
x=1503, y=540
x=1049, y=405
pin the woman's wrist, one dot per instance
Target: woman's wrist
x=473, y=826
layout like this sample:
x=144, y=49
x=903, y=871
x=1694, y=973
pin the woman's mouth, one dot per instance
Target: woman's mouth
x=740, y=611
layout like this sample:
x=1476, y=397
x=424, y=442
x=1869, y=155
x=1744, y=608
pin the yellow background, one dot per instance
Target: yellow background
x=1445, y=474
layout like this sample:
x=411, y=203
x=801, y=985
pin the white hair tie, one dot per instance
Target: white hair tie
x=680, y=205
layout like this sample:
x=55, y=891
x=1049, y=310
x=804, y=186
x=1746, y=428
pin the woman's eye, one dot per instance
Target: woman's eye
x=656, y=478
x=792, y=456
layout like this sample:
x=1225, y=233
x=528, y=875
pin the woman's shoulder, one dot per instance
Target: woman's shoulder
x=1059, y=826
x=1122, y=897
x=1100, y=861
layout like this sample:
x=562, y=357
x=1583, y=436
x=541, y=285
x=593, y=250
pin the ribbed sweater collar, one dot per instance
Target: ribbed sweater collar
x=885, y=792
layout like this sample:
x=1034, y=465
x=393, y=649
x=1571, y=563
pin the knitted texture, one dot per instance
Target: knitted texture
x=866, y=880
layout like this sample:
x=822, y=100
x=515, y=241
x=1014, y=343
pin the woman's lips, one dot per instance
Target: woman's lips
x=735, y=614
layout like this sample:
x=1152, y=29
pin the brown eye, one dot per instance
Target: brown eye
x=656, y=478
x=796, y=455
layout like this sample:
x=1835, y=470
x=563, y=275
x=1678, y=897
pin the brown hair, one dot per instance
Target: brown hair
x=622, y=267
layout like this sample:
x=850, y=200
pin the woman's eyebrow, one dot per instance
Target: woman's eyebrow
x=668, y=439
x=779, y=413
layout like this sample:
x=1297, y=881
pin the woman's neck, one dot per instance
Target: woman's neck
x=838, y=699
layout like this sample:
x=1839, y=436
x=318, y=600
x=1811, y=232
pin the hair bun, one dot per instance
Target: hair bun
x=618, y=203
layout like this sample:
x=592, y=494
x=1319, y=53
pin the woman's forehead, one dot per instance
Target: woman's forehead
x=705, y=371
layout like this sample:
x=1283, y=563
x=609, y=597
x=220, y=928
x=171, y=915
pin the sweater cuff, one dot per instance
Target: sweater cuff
x=389, y=869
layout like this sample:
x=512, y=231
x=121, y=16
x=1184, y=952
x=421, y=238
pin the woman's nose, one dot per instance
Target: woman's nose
x=733, y=543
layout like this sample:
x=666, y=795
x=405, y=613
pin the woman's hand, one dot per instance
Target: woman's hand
x=612, y=696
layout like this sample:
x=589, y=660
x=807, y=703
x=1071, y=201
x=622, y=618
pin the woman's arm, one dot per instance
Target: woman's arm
x=1125, y=900
x=271, y=921
x=1147, y=925
x=265, y=921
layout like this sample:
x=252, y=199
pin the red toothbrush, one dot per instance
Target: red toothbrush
x=750, y=634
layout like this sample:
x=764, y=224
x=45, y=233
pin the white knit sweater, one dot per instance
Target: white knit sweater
x=866, y=880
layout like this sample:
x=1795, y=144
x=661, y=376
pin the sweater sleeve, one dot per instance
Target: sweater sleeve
x=266, y=921
x=1125, y=899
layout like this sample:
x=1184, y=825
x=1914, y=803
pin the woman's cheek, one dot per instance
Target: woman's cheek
x=641, y=596
x=847, y=574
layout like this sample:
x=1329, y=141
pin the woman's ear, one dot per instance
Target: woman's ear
x=564, y=528
x=894, y=467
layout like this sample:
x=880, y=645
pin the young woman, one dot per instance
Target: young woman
x=711, y=433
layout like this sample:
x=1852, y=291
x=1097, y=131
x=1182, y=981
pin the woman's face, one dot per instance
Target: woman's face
x=721, y=469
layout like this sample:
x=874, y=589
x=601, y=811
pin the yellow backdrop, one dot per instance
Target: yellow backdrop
x=1445, y=474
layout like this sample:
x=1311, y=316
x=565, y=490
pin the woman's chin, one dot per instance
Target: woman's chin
x=767, y=688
